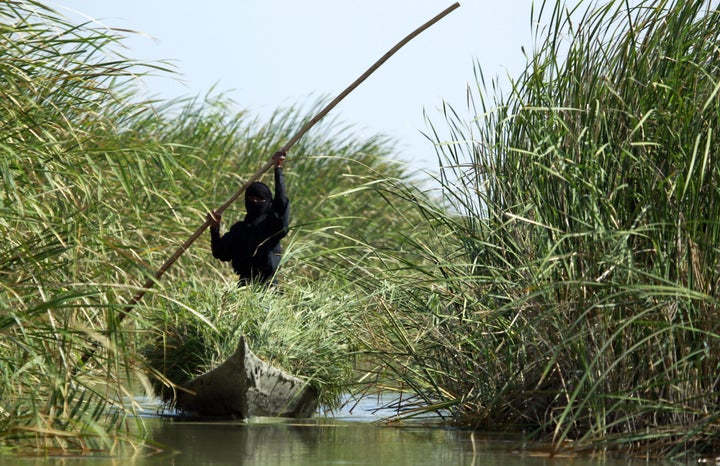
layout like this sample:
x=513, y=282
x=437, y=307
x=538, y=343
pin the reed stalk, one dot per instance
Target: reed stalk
x=570, y=290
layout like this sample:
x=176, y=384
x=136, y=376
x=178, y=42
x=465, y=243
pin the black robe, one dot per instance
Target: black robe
x=253, y=244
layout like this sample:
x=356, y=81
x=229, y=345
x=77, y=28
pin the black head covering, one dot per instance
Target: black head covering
x=256, y=209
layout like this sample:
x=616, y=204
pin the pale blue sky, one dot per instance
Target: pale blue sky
x=277, y=53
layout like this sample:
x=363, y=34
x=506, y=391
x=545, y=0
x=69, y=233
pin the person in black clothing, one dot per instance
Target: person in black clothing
x=252, y=245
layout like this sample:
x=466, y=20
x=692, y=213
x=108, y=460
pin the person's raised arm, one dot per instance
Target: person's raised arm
x=280, y=200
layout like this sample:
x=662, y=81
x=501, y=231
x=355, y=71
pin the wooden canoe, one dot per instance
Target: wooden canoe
x=244, y=386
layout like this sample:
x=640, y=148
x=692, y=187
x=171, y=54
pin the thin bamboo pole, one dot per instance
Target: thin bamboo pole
x=286, y=148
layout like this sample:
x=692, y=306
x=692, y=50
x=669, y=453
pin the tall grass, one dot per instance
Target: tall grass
x=573, y=293
x=55, y=284
x=566, y=286
x=98, y=188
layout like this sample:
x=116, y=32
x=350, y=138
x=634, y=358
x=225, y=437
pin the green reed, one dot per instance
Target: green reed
x=572, y=293
x=97, y=188
x=564, y=285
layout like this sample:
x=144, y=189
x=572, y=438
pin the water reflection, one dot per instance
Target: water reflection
x=310, y=443
x=348, y=438
x=330, y=442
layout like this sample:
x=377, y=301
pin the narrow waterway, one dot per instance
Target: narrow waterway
x=346, y=438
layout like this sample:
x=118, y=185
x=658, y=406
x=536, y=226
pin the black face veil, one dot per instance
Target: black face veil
x=258, y=200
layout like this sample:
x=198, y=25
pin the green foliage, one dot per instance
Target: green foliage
x=55, y=82
x=573, y=293
x=98, y=189
x=566, y=285
x=297, y=329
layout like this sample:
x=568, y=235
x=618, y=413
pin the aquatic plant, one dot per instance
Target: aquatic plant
x=565, y=286
x=98, y=186
x=571, y=289
x=62, y=236
x=295, y=328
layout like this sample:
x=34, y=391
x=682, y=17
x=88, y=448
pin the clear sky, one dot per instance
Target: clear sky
x=277, y=53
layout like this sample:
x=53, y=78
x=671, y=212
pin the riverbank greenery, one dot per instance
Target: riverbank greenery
x=575, y=293
x=565, y=285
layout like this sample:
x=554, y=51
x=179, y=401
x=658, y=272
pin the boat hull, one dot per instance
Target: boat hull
x=244, y=386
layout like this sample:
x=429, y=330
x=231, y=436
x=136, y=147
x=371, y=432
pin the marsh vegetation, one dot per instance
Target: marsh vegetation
x=564, y=285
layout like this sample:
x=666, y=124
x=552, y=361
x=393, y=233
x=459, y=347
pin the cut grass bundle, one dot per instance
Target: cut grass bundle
x=296, y=329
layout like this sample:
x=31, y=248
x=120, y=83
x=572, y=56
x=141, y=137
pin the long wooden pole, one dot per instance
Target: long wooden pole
x=306, y=127
x=286, y=148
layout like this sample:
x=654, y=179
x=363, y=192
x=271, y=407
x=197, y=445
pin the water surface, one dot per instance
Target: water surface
x=347, y=438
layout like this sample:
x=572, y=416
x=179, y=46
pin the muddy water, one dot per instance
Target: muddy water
x=325, y=442
x=347, y=438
